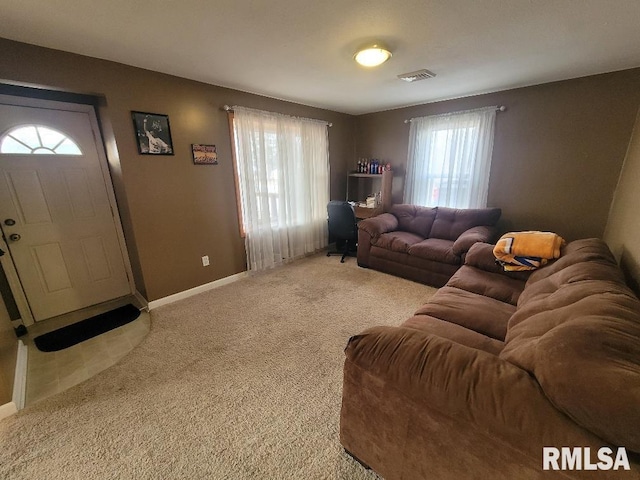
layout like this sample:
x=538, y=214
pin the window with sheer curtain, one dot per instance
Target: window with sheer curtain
x=450, y=158
x=282, y=164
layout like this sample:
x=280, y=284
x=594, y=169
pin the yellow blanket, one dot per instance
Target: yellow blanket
x=527, y=250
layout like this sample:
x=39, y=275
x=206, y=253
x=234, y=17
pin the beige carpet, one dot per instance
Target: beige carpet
x=240, y=382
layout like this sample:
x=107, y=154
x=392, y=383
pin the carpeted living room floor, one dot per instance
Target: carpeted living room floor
x=240, y=382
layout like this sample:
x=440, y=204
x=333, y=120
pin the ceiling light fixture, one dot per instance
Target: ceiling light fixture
x=372, y=55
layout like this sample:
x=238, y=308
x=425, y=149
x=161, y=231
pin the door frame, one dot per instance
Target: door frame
x=7, y=260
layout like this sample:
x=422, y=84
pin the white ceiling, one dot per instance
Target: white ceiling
x=302, y=50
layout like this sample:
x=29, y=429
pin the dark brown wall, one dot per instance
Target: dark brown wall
x=558, y=149
x=558, y=152
x=8, y=351
x=173, y=212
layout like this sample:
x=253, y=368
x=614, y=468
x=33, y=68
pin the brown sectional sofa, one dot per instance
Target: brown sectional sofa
x=423, y=244
x=495, y=367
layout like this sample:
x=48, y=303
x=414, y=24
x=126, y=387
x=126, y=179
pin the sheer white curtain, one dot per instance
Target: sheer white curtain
x=283, y=173
x=450, y=158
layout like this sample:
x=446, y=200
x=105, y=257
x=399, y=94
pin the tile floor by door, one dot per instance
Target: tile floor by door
x=49, y=373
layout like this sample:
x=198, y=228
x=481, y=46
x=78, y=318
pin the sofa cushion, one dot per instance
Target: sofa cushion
x=588, y=259
x=577, y=330
x=481, y=282
x=578, y=251
x=414, y=219
x=397, y=241
x=479, y=313
x=598, y=269
x=454, y=332
x=435, y=249
x=581, y=343
x=451, y=222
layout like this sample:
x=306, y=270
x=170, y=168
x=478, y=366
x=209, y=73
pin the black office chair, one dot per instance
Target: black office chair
x=343, y=228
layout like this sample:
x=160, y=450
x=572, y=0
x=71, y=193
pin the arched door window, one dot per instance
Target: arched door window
x=38, y=140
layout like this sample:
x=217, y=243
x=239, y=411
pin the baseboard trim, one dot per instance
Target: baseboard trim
x=20, y=379
x=143, y=301
x=7, y=410
x=196, y=290
x=19, y=384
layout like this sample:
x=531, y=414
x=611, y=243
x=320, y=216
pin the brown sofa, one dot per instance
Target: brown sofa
x=423, y=244
x=497, y=366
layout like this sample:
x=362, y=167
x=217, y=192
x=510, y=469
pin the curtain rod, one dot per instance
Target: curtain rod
x=227, y=108
x=501, y=108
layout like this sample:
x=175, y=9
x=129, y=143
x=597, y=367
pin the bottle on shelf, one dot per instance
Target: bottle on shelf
x=372, y=166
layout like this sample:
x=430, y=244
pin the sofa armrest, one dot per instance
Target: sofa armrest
x=376, y=226
x=464, y=384
x=481, y=256
x=481, y=233
x=370, y=229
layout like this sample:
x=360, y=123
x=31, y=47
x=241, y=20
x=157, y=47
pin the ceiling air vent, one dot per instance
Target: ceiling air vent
x=417, y=75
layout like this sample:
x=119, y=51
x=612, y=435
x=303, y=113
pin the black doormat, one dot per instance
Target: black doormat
x=91, y=327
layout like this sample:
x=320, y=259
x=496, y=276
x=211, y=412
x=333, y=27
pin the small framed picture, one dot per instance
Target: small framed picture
x=153, y=134
x=204, y=154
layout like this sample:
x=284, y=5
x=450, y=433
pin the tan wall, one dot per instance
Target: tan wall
x=623, y=229
x=173, y=211
x=558, y=150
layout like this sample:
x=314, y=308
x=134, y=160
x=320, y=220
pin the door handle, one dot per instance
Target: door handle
x=14, y=237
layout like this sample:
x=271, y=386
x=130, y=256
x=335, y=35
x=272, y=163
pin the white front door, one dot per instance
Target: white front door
x=55, y=210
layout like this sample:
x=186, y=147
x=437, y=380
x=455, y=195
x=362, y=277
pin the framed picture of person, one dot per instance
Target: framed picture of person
x=153, y=134
x=204, y=154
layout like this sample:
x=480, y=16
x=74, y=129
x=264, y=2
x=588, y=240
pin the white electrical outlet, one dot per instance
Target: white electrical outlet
x=205, y=261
